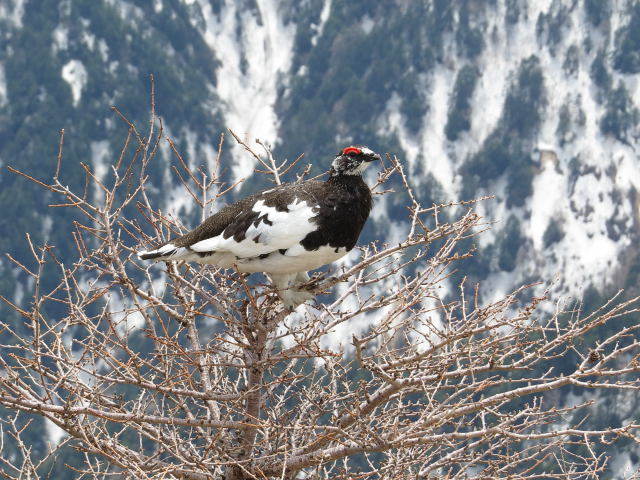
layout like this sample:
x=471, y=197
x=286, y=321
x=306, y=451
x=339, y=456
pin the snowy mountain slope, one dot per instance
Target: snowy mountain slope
x=537, y=133
x=448, y=92
x=584, y=181
x=535, y=102
x=253, y=43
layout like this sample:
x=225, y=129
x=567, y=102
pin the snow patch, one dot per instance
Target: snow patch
x=18, y=294
x=392, y=120
x=379, y=210
x=367, y=24
x=549, y=193
x=427, y=147
x=124, y=316
x=13, y=13
x=255, y=50
x=179, y=201
x=498, y=285
x=89, y=39
x=60, y=37
x=587, y=252
x=493, y=210
x=3, y=87
x=324, y=16
x=133, y=15
x=103, y=49
x=435, y=159
x=47, y=227
x=75, y=75
x=584, y=185
x=623, y=465
x=55, y=434
x=99, y=161
x=100, y=164
x=587, y=186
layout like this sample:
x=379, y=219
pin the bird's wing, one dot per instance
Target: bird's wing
x=276, y=219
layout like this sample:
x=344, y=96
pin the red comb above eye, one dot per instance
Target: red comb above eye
x=349, y=150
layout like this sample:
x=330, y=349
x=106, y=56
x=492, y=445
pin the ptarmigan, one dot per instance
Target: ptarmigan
x=284, y=231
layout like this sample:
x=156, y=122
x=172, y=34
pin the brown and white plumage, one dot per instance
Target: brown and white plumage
x=283, y=231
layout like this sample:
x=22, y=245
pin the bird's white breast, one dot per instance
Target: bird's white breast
x=296, y=259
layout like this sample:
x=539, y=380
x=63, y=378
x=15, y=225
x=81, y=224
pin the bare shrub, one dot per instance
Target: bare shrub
x=184, y=371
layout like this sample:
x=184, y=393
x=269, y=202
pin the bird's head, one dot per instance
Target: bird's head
x=353, y=160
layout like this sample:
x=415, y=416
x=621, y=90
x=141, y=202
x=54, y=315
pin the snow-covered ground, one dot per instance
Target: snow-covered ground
x=13, y=10
x=581, y=202
x=255, y=49
x=74, y=73
x=3, y=87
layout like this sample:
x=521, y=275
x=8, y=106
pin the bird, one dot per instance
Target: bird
x=284, y=231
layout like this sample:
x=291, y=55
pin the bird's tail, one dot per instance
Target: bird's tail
x=165, y=252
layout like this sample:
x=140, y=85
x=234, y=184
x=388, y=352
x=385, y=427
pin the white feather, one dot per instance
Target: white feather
x=168, y=248
x=286, y=229
x=286, y=284
x=296, y=259
x=179, y=253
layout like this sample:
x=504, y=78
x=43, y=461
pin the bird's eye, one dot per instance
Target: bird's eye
x=351, y=151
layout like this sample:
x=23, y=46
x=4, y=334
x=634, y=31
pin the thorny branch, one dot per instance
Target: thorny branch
x=213, y=379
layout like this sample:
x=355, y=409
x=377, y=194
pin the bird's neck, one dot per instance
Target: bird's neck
x=353, y=189
x=345, y=179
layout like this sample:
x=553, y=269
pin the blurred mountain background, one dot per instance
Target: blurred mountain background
x=532, y=101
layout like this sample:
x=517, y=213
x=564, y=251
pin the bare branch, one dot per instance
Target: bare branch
x=210, y=376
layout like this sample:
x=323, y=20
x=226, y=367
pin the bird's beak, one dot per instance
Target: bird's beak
x=374, y=157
